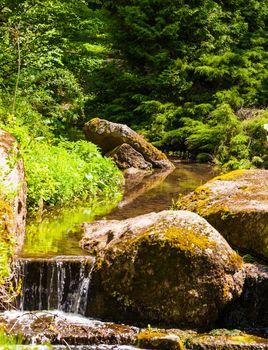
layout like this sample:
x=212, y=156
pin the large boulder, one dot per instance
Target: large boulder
x=170, y=267
x=108, y=136
x=236, y=204
x=127, y=157
x=12, y=190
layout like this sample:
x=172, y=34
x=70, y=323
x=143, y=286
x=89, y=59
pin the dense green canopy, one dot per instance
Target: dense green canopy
x=192, y=76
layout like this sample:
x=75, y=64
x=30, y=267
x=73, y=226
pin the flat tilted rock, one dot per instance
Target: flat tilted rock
x=236, y=204
x=66, y=329
x=170, y=267
x=108, y=136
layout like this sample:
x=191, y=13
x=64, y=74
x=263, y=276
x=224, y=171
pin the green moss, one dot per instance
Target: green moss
x=222, y=211
x=187, y=240
x=150, y=334
x=7, y=242
x=247, y=339
x=232, y=175
x=94, y=121
x=199, y=198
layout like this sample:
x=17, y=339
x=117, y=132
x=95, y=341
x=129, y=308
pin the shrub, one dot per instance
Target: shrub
x=57, y=174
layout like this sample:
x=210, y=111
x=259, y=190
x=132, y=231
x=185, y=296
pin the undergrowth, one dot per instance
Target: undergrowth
x=59, y=171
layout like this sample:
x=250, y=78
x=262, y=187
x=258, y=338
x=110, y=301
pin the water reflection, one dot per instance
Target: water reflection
x=184, y=179
x=58, y=232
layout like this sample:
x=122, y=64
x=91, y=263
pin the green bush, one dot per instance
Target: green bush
x=59, y=171
x=58, y=174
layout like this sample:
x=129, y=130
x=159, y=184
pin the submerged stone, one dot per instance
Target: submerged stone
x=170, y=267
x=236, y=204
x=108, y=136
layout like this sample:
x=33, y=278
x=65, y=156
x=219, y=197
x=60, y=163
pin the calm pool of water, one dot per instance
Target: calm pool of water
x=57, y=234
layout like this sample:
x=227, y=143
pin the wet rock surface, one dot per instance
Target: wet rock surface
x=126, y=157
x=108, y=136
x=236, y=205
x=60, y=328
x=13, y=188
x=170, y=267
x=65, y=331
x=225, y=342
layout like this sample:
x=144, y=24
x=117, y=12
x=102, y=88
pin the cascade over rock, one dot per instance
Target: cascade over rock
x=108, y=136
x=13, y=188
x=60, y=283
x=61, y=328
x=170, y=267
x=236, y=205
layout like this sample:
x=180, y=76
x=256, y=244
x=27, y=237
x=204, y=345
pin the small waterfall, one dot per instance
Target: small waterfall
x=60, y=283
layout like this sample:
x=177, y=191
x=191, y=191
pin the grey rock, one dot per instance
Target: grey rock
x=126, y=157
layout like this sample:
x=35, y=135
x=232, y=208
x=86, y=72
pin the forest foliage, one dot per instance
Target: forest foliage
x=42, y=45
x=192, y=76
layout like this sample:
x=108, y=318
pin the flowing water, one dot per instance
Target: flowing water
x=56, y=273
x=60, y=283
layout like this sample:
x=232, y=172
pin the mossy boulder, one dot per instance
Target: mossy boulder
x=12, y=191
x=167, y=268
x=236, y=204
x=108, y=136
